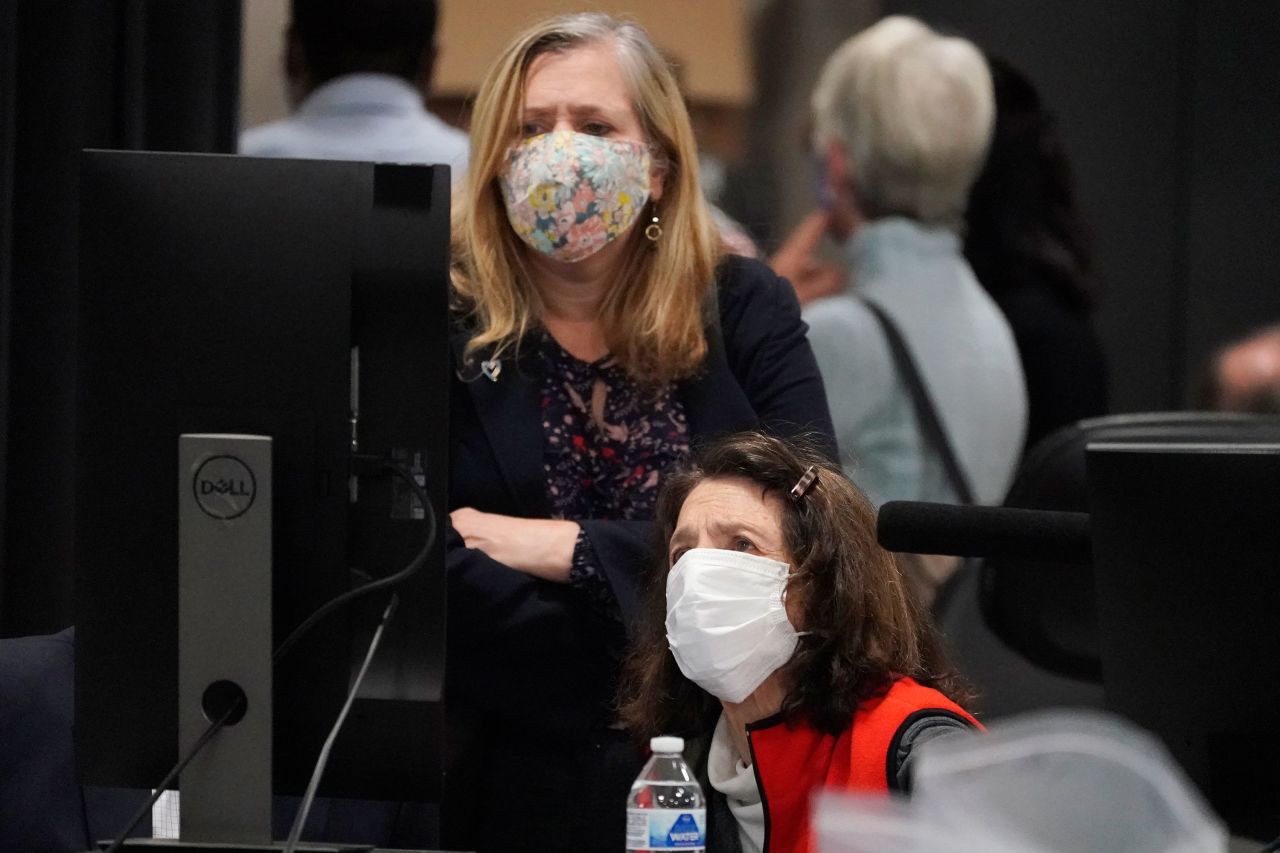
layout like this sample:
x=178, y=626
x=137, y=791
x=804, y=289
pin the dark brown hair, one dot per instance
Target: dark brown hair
x=863, y=625
x=1024, y=223
x=347, y=36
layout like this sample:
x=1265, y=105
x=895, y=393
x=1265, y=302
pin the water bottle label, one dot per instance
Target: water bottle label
x=667, y=829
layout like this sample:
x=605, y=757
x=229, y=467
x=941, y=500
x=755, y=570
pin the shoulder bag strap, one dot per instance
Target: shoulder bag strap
x=926, y=412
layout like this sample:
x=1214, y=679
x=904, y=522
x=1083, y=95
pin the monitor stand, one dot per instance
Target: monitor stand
x=225, y=646
x=225, y=635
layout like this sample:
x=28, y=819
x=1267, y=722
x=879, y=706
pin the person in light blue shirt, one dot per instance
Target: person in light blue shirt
x=358, y=73
x=902, y=120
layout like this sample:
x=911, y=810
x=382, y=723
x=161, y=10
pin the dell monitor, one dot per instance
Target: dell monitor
x=303, y=303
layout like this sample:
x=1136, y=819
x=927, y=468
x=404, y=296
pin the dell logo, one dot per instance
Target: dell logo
x=224, y=487
x=234, y=488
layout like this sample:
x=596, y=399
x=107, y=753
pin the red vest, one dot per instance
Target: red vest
x=792, y=760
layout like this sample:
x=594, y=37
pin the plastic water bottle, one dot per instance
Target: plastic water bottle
x=665, y=809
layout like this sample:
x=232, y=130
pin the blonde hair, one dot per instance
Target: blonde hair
x=653, y=313
x=914, y=111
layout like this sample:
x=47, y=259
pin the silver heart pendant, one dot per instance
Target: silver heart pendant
x=491, y=368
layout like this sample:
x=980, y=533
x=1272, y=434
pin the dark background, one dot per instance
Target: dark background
x=1170, y=110
x=159, y=75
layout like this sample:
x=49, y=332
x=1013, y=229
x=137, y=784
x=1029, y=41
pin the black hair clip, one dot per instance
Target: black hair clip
x=806, y=482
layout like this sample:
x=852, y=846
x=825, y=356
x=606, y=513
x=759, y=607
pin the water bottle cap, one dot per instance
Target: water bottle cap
x=667, y=743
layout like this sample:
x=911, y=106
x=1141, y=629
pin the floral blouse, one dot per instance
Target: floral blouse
x=609, y=439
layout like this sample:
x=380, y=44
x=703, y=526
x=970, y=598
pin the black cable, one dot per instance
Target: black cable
x=381, y=583
x=173, y=774
x=307, y=624
x=317, y=773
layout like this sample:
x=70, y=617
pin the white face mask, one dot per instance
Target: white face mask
x=726, y=622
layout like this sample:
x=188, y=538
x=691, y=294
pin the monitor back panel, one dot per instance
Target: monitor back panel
x=1187, y=565
x=223, y=295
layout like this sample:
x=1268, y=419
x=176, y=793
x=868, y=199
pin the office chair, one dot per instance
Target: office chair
x=1026, y=633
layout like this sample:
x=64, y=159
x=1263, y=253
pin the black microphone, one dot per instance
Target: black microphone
x=985, y=531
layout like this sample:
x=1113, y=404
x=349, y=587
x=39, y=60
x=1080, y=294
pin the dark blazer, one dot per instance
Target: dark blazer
x=533, y=661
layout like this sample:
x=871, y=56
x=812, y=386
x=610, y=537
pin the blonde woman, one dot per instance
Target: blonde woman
x=600, y=330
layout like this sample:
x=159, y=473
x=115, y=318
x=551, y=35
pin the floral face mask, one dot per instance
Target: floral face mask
x=569, y=194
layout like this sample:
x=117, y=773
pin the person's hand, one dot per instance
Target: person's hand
x=542, y=547
x=797, y=261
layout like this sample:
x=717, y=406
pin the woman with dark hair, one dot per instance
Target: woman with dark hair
x=784, y=640
x=1029, y=247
